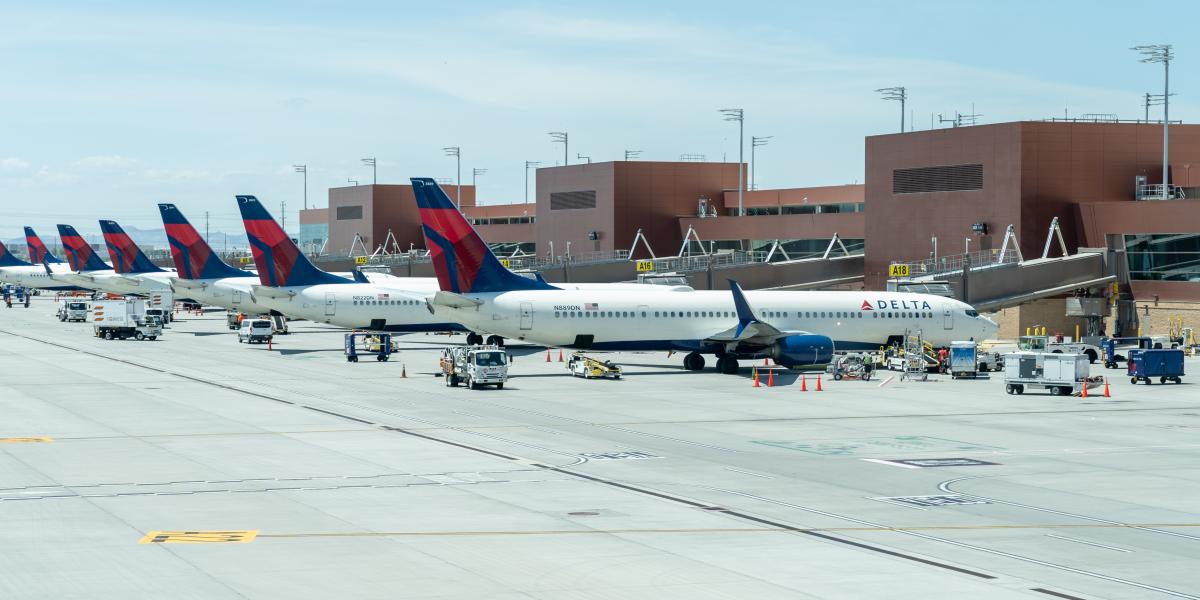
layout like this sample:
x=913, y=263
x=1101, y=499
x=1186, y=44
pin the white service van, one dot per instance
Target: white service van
x=255, y=330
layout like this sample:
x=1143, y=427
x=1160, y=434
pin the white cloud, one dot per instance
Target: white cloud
x=110, y=161
x=13, y=165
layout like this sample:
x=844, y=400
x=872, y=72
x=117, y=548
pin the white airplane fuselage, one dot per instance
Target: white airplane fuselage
x=30, y=276
x=619, y=320
x=232, y=293
x=398, y=306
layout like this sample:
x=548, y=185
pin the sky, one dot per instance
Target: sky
x=107, y=109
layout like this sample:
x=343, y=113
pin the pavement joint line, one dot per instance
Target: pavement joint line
x=1087, y=543
x=1056, y=594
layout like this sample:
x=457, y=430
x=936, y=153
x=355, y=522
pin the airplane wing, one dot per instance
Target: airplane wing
x=749, y=331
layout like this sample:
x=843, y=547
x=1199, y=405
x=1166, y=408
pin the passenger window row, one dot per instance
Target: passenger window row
x=386, y=302
x=902, y=315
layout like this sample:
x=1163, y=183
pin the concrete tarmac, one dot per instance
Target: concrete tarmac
x=197, y=467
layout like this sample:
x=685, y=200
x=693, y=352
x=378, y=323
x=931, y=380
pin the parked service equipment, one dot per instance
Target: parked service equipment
x=964, y=359
x=73, y=311
x=255, y=330
x=1165, y=364
x=367, y=344
x=278, y=324
x=233, y=320
x=161, y=303
x=1062, y=374
x=475, y=366
x=123, y=319
x=1044, y=343
x=1113, y=346
x=587, y=367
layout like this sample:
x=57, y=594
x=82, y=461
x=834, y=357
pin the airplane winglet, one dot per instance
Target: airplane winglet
x=745, y=314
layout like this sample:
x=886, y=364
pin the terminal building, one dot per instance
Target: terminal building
x=932, y=194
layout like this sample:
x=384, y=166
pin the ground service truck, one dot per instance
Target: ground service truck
x=475, y=366
x=123, y=319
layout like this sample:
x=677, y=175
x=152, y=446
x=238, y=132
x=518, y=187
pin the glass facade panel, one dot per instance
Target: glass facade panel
x=797, y=249
x=1164, y=256
x=312, y=236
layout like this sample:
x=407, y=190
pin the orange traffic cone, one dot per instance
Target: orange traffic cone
x=771, y=378
x=403, y=371
x=756, y=377
x=560, y=358
x=1106, y=395
x=1084, y=394
x=803, y=383
x=547, y=354
x=818, y=383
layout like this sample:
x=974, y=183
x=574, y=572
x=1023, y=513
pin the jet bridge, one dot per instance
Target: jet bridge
x=992, y=280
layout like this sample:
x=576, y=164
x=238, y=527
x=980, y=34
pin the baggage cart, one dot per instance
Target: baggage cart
x=1165, y=364
x=1061, y=374
x=358, y=344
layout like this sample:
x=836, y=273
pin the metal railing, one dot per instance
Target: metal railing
x=1155, y=191
x=701, y=262
x=955, y=263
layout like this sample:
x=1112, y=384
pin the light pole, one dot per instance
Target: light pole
x=632, y=154
x=353, y=182
x=528, y=165
x=304, y=170
x=1161, y=53
x=370, y=162
x=476, y=173
x=896, y=93
x=579, y=156
x=456, y=152
x=754, y=143
x=737, y=114
x=557, y=137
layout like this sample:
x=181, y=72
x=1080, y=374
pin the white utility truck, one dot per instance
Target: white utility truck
x=475, y=366
x=73, y=311
x=123, y=319
x=1062, y=374
x=1053, y=345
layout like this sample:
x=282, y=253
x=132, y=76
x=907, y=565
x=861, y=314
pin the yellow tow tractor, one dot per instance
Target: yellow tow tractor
x=582, y=365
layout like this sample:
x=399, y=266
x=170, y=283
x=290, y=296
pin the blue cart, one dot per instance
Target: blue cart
x=363, y=343
x=1112, y=345
x=1166, y=365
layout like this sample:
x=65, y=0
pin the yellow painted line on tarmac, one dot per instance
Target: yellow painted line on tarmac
x=200, y=537
x=26, y=440
x=708, y=530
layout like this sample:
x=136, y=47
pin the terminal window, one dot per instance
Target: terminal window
x=1164, y=256
x=946, y=178
x=573, y=200
x=347, y=213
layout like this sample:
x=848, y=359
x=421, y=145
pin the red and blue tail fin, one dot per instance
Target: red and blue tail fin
x=462, y=260
x=8, y=260
x=38, y=254
x=194, y=258
x=127, y=257
x=80, y=255
x=279, y=261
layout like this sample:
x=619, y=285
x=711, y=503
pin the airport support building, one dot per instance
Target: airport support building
x=963, y=186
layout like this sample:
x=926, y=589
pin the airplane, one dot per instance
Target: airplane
x=31, y=274
x=793, y=328
x=137, y=274
x=289, y=283
x=200, y=274
x=87, y=270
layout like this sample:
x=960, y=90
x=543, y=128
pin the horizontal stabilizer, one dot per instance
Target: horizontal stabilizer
x=452, y=300
x=266, y=291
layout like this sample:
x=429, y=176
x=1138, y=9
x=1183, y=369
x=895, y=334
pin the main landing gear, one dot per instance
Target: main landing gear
x=694, y=361
x=476, y=339
x=727, y=365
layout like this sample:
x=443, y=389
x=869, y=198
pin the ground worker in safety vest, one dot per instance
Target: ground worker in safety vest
x=868, y=363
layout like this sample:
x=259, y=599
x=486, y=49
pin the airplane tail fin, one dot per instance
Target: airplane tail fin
x=194, y=258
x=745, y=314
x=38, y=253
x=79, y=254
x=8, y=260
x=127, y=257
x=279, y=261
x=462, y=260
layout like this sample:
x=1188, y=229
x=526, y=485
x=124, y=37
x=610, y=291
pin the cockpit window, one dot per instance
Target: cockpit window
x=972, y=312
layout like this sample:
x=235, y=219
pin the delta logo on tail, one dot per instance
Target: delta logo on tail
x=8, y=260
x=462, y=260
x=194, y=258
x=278, y=259
x=125, y=254
x=38, y=253
x=80, y=255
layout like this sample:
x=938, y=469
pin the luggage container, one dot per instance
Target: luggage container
x=964, y=359
x=1166, y=365
x=1062, y=374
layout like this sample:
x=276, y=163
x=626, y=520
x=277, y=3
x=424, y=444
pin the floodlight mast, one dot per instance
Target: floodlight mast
x=456, y=152
x=370, y=162
x=557, y=137
x=739, y=115
x=756, y=141
x=303, y=169
x=896, y=93
x=1162, y=53
x=476, y=173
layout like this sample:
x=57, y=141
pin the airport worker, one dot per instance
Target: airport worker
x=868, y=363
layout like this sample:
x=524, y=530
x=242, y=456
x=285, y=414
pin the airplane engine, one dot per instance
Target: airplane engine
x=802, y=350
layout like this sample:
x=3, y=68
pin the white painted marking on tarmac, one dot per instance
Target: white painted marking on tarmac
x=889, y=463
x=748, y=473
x=1063, y=537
